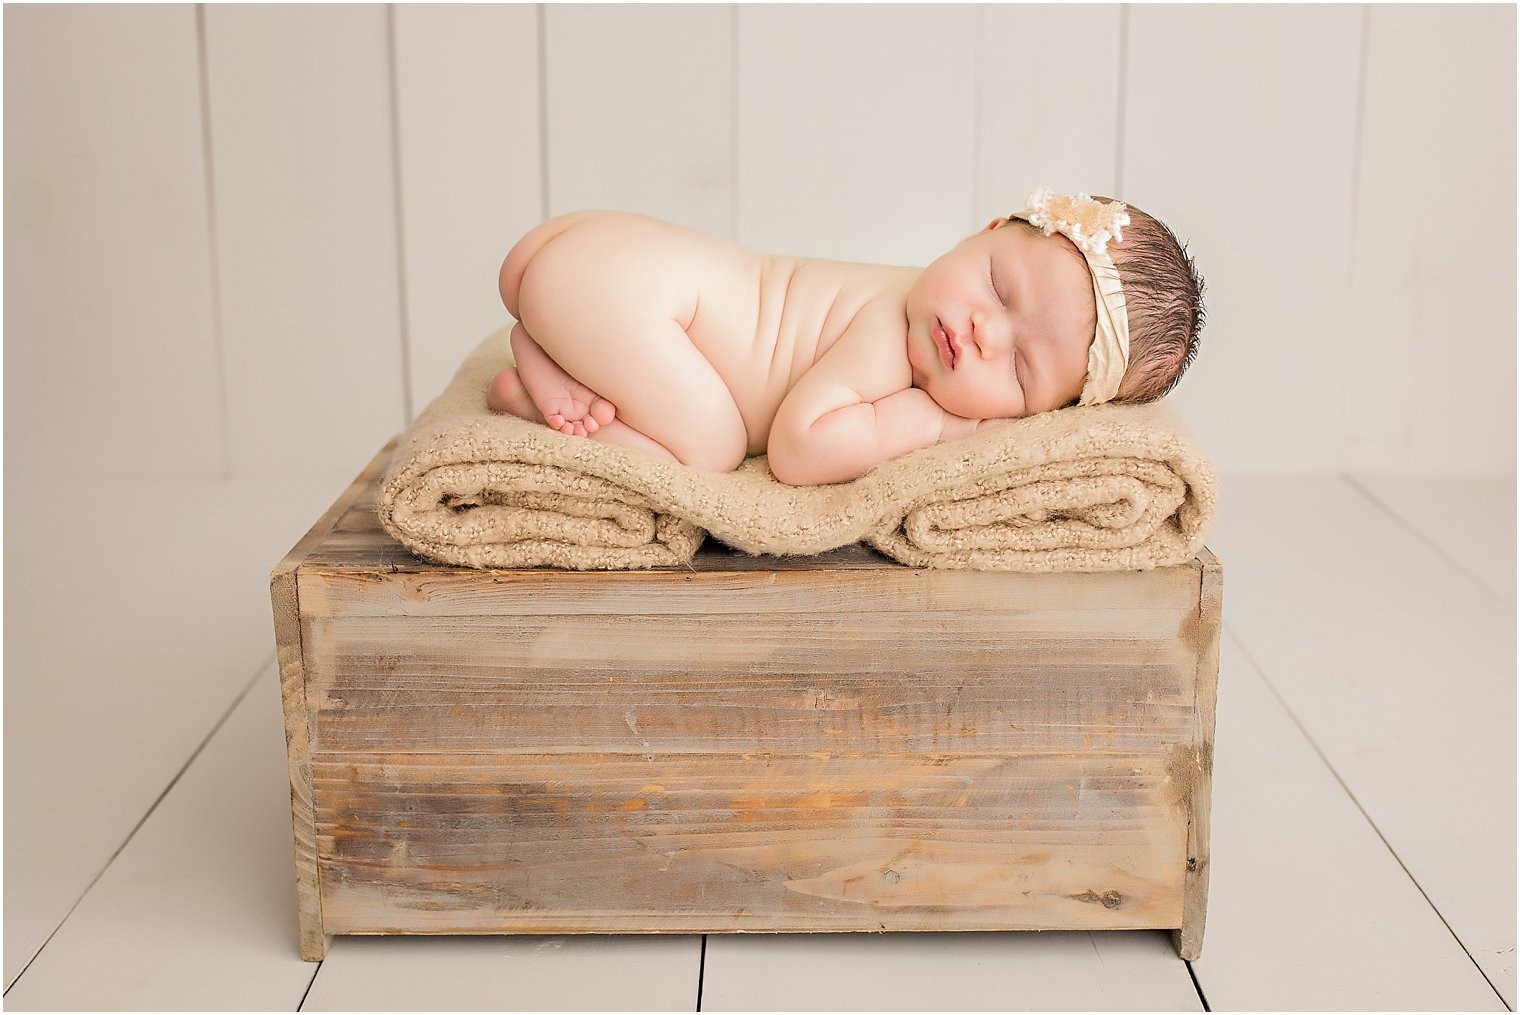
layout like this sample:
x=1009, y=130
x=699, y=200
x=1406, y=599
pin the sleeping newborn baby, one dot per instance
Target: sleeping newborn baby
x=659, y=338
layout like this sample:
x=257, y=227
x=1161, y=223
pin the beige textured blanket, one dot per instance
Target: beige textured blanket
x=1096, y=488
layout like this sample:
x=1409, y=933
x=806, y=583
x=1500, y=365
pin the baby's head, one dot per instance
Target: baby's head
x=1160, y=290
x=1080, y=301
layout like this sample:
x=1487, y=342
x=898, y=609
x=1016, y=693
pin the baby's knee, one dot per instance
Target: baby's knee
x=715, y=440
x=713, y=459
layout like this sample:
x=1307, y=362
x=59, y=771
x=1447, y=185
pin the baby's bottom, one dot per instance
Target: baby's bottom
x=540, y=390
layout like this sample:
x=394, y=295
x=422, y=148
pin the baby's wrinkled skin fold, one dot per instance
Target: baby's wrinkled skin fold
x=658, y=338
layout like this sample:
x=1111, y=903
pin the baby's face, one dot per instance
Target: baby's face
x=1017, y=310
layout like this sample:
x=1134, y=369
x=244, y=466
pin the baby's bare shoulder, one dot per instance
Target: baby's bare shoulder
x=869, y=357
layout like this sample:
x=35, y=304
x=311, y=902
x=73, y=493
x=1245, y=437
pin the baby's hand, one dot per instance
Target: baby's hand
x=956, y=427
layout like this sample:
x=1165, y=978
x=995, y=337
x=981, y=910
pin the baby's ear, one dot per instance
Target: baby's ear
x=994, y=224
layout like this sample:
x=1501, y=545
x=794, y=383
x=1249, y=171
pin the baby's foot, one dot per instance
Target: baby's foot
x=577, y=410
x=567, y=405
x=507, y=394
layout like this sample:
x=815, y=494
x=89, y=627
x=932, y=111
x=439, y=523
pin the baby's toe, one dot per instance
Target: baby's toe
x=591, y=425
x=603, y=411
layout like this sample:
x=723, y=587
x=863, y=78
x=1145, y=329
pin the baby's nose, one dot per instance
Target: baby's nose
x=986, y=344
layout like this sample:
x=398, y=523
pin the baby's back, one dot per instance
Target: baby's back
x=760, y=320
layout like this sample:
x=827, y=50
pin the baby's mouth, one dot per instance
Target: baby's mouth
x=947, y=354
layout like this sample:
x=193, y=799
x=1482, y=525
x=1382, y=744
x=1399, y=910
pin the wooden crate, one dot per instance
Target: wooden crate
x=833, y=743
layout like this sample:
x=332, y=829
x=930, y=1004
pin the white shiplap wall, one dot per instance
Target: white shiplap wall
x=1432, y=300
x=112, y=363
x=856, y=130
x=638, y=107
x=250, y=239
x=467, y=113
x=1240, y=126
x=1031, y=131
x=304, y=183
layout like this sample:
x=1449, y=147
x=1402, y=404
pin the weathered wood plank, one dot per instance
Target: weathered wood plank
x=728, y=582
x=1200, y=766
x=831, y=743
x=287, y=624
x=284, y=595
x=561, y=843
x=488, y=687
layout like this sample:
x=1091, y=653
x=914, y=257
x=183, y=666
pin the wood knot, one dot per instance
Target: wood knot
x=1109, y=900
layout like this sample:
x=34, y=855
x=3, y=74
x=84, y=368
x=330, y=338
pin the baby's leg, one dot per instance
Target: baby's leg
x=507, y=394
x=567, y=405
x=624, y=436
x=608, y=323
x=668, y=393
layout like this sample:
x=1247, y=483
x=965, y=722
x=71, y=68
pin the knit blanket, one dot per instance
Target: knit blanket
x=1090, y=488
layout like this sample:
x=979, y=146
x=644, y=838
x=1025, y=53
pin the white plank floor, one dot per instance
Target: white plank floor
x=1363, y=852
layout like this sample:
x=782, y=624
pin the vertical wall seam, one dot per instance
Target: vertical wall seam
x=978, y=86
x=1121, y=102
x=403, y=305
x=1348, y=335
x=213, y=245
x=542, y=29
x=733, y=122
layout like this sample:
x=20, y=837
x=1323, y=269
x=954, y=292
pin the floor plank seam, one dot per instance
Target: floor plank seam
x=1365, y=816
x=221, y=721
x=301, y=1005
x=1202, y=998
x=1414, y=530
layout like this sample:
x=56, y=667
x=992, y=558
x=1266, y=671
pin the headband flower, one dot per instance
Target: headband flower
x=1088, y=223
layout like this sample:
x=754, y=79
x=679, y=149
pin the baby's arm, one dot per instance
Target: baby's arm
x=835, y=424
x=849, y=441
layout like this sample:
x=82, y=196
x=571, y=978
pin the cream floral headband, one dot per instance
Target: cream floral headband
x=1090, y=225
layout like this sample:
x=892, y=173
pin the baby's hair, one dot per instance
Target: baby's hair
x=1163, y=298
